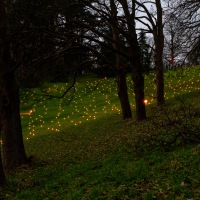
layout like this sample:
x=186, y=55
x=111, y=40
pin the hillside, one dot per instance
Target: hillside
x=82, y=149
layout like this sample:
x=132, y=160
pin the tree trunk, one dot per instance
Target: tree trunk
x=2, y=37
x=159, y=72
x=158, y=57
x=138, y=81
x=13, y=147
x=136, y=63
x=137, y=77
x=120, y=72
x=123, y=94
x=2, y=175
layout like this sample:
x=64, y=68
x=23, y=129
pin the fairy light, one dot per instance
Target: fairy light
x=76, y=113
x=26, y=113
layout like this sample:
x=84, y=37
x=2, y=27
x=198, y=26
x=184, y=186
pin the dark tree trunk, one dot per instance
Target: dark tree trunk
x=136, y=63
x=2, y=175
x=160, y=84
x=158, y=57
x=2, y=38
x=123, y=94
x=120, y=72
x=160, y=93
x=13, y=147
x=138, y=81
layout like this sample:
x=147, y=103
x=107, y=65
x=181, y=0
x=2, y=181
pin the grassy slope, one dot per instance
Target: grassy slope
x=85, y=150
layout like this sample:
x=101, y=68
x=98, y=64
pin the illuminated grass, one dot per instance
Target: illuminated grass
x=97, y=98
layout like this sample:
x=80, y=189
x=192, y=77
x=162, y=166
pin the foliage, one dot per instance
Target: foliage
x=176, y=125
x=145, y=52
x=187, y=14
x=194, y=54
x=104, y=71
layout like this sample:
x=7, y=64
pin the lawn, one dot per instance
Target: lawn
x=82, y=149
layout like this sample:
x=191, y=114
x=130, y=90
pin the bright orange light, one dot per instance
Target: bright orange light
x=27, y=113
x=145, y=101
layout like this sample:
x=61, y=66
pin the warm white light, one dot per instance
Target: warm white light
x=145, y=101
x=27, y=113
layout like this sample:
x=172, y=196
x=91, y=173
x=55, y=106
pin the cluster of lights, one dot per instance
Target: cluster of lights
x=76, y=113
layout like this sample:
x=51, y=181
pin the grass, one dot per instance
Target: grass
x=85, y=151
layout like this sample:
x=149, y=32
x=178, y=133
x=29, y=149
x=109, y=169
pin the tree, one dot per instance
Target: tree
x=183, y=23
x=102, y=68
x=2, y=175
x=123, y=25
x=194, y=53
x=154, y=25
x=25, y=38
x=13, y=147
x=145, y=52
x=174, y=39
x=188, y=13
x=158, y=57
x=2, y=38
x=119, y=68
x=135, y=59
x=32, y=25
